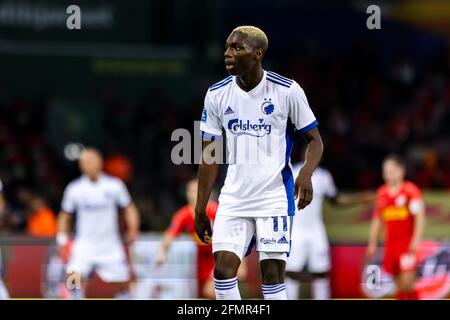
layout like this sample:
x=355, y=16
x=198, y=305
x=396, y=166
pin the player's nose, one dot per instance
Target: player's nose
x=227, y=53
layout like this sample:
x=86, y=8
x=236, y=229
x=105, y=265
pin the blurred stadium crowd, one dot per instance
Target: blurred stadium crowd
x=366, y=108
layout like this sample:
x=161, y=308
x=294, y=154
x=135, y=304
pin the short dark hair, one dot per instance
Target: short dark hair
x=396, y=158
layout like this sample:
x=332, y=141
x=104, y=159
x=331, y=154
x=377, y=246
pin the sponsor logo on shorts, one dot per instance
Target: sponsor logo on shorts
x=267, y=241
x=283, y=240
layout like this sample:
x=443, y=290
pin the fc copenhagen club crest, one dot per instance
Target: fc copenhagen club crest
x=267, y=106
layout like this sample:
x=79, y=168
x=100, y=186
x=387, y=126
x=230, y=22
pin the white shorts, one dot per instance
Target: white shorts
x=272, y=236
x=310, y=249
x=108, y=261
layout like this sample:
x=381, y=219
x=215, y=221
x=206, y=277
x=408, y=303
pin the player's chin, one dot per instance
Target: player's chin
x=232, y=71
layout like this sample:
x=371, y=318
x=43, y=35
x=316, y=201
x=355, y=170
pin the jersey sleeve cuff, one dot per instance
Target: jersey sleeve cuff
x=310, y=126
x=125, y=206
x=68, y=210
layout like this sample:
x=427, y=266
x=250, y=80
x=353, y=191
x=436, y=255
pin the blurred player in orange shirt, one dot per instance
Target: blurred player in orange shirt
x=183, y=221
x=41, y=222
x=400, y=206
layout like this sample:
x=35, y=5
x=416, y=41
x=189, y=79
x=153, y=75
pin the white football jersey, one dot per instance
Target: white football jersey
x=259, y=127
x=96, y=205
x=323, y=187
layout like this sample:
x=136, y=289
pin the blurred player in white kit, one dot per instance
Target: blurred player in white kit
x=96, y=198
x=3, y=291
x=310, y=248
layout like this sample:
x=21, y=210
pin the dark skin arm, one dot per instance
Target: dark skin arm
x=2, y=208
x=303, y=186
x=347, y=199
x=207, y=175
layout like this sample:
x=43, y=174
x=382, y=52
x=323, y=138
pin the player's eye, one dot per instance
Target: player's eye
x=236, y=47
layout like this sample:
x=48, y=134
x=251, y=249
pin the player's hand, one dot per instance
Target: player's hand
x=64, y=252
x=303, y=189
x=64, y=246
x=412, y=248
x=131, y=236
x=203, y=227
x=371, y=251
x=368, y=196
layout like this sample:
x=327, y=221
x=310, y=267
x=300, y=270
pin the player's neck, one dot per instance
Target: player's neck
x=394, y=187
x=250, y=80
x=93, y=178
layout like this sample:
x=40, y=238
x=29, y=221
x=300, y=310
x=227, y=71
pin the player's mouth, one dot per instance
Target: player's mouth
x=229, y=65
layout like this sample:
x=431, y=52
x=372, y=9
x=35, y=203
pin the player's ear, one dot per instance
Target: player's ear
x=258, y=53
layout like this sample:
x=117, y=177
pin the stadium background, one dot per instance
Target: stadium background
x=138, y=70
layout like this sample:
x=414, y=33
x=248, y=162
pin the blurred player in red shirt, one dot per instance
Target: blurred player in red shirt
x=183, y=221
x=400, y=206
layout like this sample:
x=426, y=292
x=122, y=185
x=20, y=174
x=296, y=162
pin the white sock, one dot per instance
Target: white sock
x=321, y=289
x=3, y=291
x=292, y=288
x=227, y=289
x=274, y=291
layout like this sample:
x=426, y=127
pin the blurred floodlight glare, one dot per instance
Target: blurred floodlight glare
x=72, y=151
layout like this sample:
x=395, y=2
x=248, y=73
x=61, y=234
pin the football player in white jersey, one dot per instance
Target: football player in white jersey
x=310, y=249
x=260, y=112
x=96, y=198
x=3, y=291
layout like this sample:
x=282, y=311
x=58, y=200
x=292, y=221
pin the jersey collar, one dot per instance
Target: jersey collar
x=86, y=178
x=252, y=92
